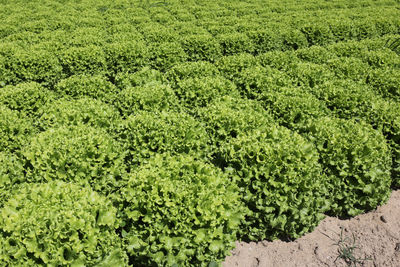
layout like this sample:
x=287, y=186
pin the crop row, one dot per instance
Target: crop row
x=136, y=36
x=142, y=139
x=152, y=134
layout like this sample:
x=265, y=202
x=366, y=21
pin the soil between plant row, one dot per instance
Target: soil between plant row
x=370, y=239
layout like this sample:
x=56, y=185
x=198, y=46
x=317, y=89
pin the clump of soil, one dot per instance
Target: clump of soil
x=371, y=239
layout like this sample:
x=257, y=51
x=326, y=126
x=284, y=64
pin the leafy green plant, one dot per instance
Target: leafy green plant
x=85, y=36
x=346, y=98
x=385, y=116
x=308, y=74
x=123, y=32
x=394, y=45
x=232, y=66
x=264, y=40
x=382, y=58
x=317, y=34
x=176, y=212
x=91, y=93
x=15, y=129
x=167, y=54
x=11, y=174
x=356, y=161
x=277, y=59
x=228, y=117
x=342, y=29
x=347, y=49
x=365, y=28
x=85, y=110
x=349, y=68
x=216, y=29
x=153, y=96
x=385, y=26
x=315, y=54
x=198, y=69
x=7, y=30
x=198, y=92
x=201, y=47
x=293, y=107
x=157, y=33
x=349, y=100
x=293, y=39
x=95, y=86
x=149, y=133
x=256, y=81
x=139, y=78
x=27, y=98
x=83, y=60
x=280, y=182
x=127, y=56
x=81, y=154
x=23, y=65
x=59, y=223
x=386, y=81
x=235, y=43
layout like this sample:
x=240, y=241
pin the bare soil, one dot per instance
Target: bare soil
x=371, y=239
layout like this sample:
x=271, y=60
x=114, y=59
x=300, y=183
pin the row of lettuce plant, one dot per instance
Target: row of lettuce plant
x=158, y=134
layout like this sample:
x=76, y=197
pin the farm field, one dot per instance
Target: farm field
x=159, y=133
x=369, y=239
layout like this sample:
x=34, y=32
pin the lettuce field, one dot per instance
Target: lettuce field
x=157, y=133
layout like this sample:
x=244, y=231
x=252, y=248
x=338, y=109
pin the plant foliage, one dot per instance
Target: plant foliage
x=27, y=98
x=81, y=154
x=59, y=223
x=177, y=213
x=149, y=133
x=15, y=129
x=153, y=96
x=153, y=104
x=280, y=182
x=85, y=110
x=356, y=161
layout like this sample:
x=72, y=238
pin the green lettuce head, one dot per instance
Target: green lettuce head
x=179, y=211
x=56, y=224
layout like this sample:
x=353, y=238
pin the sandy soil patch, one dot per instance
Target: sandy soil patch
x=371, y=239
